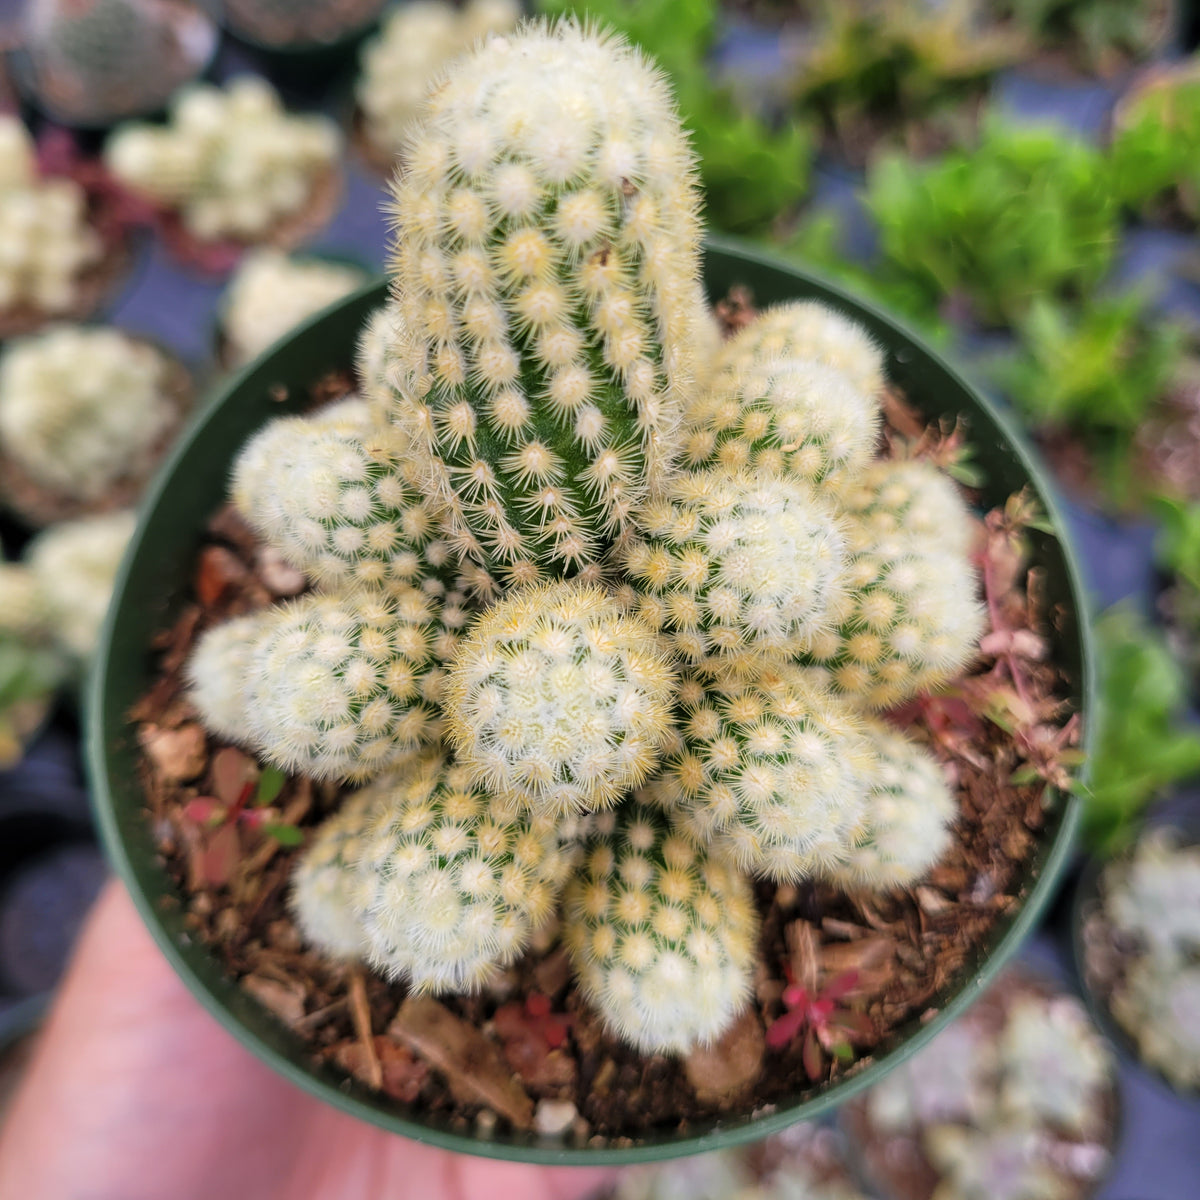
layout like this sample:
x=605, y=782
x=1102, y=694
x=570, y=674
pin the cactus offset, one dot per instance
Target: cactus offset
x=454, y=880
x=335, y=497
x=788, y=416
x=773, y=769
x=326, y=886
x=908, y=621
x=737, y=563
x=908, y=813
x=908, y=498
x=545, y=269
x=343, y=686
x=806, y=329
x=558, y=697
x=662, y=933
x=216, y=672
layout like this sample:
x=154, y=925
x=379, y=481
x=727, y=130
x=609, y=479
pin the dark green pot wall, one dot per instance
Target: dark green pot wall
x=155, y=578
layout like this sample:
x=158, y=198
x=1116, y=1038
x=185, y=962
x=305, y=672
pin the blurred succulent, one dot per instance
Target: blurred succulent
x=100, y=60
x=754, y=168
x=1028, y=212
x=83, y=408
x=559, y=699
x=1158, y=1006
x=415, y=44
x=1153, y=895
x=231, y=161
x=994, y=1164
x=661, y=932
x=871, y=65
x=75, y=564
x=1144, y=743
x=270, y=293
x=1156, y=142
x=46, y=243
x=1103, y=34
x=298, y=24
x=1052, y=1065
x=945, y=1083
x=1097, y=370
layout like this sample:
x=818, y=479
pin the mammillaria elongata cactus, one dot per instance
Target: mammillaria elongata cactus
x=545, y=270
x=526, y=388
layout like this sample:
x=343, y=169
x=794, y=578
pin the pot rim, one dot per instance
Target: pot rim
x=528, y=1148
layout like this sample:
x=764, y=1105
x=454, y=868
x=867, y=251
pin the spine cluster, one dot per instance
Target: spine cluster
x=666, y=670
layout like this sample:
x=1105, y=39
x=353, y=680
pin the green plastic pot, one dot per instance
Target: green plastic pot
x=153, y=585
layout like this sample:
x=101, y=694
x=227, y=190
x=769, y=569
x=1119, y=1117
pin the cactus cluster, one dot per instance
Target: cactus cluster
x=83, y=407
x=414, y=46
x=270, y=293
x=993, y=1101
x=572, y=670
x=231, y=161
x=99, y=60
x=46, y=243
x=1151, y=903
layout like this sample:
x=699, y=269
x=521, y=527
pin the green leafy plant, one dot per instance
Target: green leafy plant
x=1156, y=143
x=1143, y=744
x=1103, y=34
x=1027, y=212
x=753, y=171
x=1095, y=370
x=875, y=65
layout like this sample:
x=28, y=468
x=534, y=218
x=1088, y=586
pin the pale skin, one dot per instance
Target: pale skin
x=136, y=1093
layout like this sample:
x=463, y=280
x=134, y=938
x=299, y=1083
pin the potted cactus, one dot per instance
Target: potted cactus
x=86, y=414
x=230, y=169
x=299, y=26
x=1136, y=938
x=90, y=63
x=271, y=292
x=602, y=611
x=1015, y=1101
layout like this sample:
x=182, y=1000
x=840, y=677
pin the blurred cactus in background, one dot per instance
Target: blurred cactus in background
x=270, y=294
x=95, y=61
x=231, y=161
x=294, y=24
